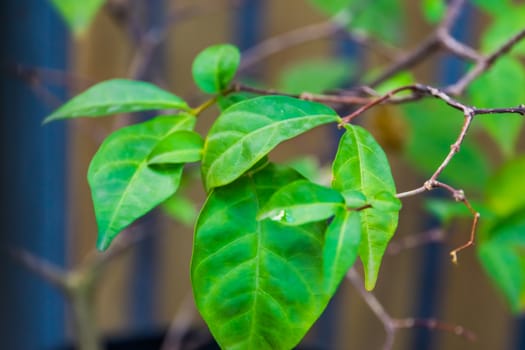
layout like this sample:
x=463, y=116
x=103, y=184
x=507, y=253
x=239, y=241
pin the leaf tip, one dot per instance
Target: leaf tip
x=103, y=242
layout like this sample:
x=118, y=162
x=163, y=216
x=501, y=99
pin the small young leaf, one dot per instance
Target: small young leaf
x=249, y=130
x=361, y=165
x=503, y=257
x=123, y=186
x=301, y=202
x=257, y=284
x=342, y=240
x=118, y=96
x=214, y=68
x=178, y=147
x=78, y=14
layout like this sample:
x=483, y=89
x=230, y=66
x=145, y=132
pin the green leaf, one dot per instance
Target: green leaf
x=257, y=284
x=226, y=101
x=315, y=76
x=507, y=24
x=493, y=7
x=214, y=68
x=503, y=257
x=78, y=14
x=361, y=165
x=398, y=80
x=307, y=166
x=247, y=131
x=379, y=18
x=504, y=190
x=503, y=128
x=434, y=126
x=341, y=247
x=434, y=10
x=118, y=96
x=180, y=209
x=301, y=202
x=332, y=6
x=123, y=186
x=178, y=147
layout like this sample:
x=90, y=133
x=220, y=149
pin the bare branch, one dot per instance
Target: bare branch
x=392, y=325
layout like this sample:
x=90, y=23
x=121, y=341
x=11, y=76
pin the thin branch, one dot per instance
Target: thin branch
x=392, y=325
x=435, y=235
x=484, y=64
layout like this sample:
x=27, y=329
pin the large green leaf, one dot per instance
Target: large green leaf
x=123, y=186
x=179, y=147
x=301, y=202
x=361, y=165
x=504, y=191
x=78, y=14
x=315, y=76
x=503, y=257
x=434, y=126
x=247, y=131
x=257, y=284
x=492, y=90
x=214, y=68
x=342, y=240
x=118, y=96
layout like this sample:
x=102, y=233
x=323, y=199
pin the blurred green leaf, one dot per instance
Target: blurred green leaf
x=492, y=90
x=118, y=96
x=380, y=18
x=180, y=209
x=257, y=284
x=123, y=186
x=307, y=166
x=434, y=10
x=505, y=190
x=398, y=80
x=493, y=7
x=434, y=126
x=247, y=131
x=179, y=147
x=503, y=257
x=214, y=67
x=301, y=202
x=361, y=165
x=503, y=27
x=315, y=76
x=78, y=13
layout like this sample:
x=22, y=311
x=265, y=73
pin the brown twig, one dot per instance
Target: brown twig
x=483, y=64
x=392, y=325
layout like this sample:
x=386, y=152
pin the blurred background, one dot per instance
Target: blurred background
x=144, y=289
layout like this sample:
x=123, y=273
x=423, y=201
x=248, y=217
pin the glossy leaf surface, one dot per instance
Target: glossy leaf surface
x=257, y=284
x=503, y=257
x=78, y=14
x=118, y=96
x=123, y=186
x=178, y=147
x=247, y=131
x=342, y=240
x=301, y=202
x=361, y=165
x=214, y=68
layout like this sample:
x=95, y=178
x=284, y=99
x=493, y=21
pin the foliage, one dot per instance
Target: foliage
x=272, y=246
